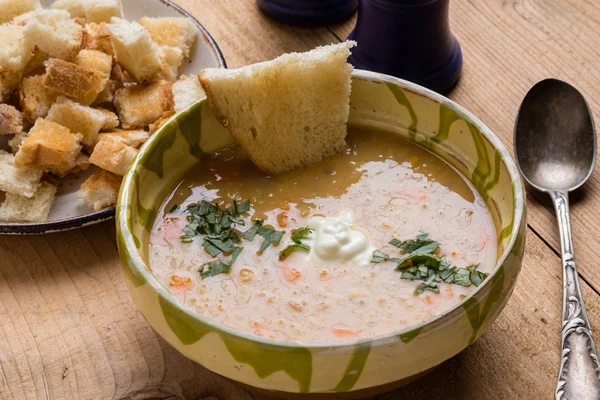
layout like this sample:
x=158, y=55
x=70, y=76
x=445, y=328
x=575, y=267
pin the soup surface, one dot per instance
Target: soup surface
x=382, y=188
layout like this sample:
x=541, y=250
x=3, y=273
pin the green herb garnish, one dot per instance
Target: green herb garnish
x=250, y=234
x=215, y=268
x=283, y=254
x=271, y=236
x=235, y=253
x=242, y=207
x=422, y=264
x=300, y=233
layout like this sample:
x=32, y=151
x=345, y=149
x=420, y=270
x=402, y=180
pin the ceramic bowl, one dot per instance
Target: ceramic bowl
x=358, y=366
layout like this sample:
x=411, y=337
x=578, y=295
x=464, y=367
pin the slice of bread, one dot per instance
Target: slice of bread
x=20, y=181
x=16, y=53
x=75, y=7
x=134, y=49
x=171, y=58
x=35, y=98
x=133, y=138
x=54, y=32
x=112, y=155
x=33, y=209
x=97, y=37
x=100, y=190
x=96, y=61
x=11, y=120
x=49, y=146
x=12, y=8
x=72, y=81
x=256, y=102
x=81, y=119
x=15, y=142
x=102, y=10
x=187, y=91
x=172, y=31
x=141, y=105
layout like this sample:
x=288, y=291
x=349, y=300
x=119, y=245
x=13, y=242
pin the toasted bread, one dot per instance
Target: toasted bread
x=254, y=103
x=81, y=119
x=97, y=37
x=112, y=155
x=103, y=10
x=36, y=65
x=33, y=209
x=11, y=120
x=171, y=58
x=49, y=146
x=75, y=7
x=152, y=128
x=12, y=8
x=100, y=190
x=55, y=33
x=187, y=91
x=133, y=138
x=141, y=105
x=134, y=49
x=96, y=61
x=72, y=81
x=15, y=142
x=172, y=31
x=20, y=181
x=35, y=98
x=15, y=53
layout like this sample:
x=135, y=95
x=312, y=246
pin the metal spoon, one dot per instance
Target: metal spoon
x=555, y=146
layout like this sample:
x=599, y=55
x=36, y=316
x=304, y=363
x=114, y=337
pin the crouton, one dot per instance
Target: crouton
x=15, y=142
x=16, y=53
x=82, y=162
x=34, y=209
x=81, y=119
x=12, y=8
x=141, y=105
x=75, y=7
x=36, y=66
x=134, y=49
x=112, y=155
x=100, y=190
x=11, y=120
x=49, y=146
x=172, y=31
x=72, y=81
x=111, y=121
x=133, y=138
x=22, y=19
x=187, y=91
x=54, y=32
x=254, y=103
x=96, y=61
x=35, y=98
x=171, y=58
x=20, y=181
x=103, y=10
x=108, y=94
x=97, y=37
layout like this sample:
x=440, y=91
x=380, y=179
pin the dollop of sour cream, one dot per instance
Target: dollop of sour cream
x=335, y=241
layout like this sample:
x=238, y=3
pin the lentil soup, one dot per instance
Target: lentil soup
x=367, y=211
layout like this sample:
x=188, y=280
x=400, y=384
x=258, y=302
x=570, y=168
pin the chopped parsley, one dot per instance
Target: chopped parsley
x=422, y=264
x=300, y=233
x=271, y=236
x=250, y=234
x=283, y=254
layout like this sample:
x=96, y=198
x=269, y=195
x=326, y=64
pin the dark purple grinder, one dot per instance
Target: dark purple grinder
x=308, y=12
x=410, y=39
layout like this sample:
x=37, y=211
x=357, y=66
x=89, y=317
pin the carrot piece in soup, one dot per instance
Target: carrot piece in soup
x=180, y=282
x=344, y=333
x=282, y=220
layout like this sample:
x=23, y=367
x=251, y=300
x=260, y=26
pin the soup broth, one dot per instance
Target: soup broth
x=383, y=187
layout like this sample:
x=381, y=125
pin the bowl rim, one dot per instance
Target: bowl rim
x=94, y=217
x=141, y=267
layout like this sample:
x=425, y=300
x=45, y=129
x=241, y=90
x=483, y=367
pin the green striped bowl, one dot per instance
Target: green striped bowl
x=357, y=366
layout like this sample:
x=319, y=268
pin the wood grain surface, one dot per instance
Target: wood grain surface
x=68, y=327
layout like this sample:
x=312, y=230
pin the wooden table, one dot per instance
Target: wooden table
x=68, y=328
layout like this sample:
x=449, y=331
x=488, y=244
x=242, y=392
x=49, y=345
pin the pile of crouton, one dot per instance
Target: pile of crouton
x=81, y=86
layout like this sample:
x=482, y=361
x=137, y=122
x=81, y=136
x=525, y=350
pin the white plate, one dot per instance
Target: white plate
x=68, y=211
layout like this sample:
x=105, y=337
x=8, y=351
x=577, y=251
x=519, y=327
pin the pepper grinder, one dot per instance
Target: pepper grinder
x=410, y=39
x=308, y=12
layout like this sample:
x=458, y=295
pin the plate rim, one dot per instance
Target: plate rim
x=59, y=225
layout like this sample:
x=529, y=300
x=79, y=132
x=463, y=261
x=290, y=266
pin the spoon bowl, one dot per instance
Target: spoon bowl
x=555, y=146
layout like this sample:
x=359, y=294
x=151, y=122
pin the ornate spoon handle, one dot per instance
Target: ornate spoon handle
x=579, y=375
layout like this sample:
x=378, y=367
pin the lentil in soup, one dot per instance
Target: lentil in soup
x=329, y=287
